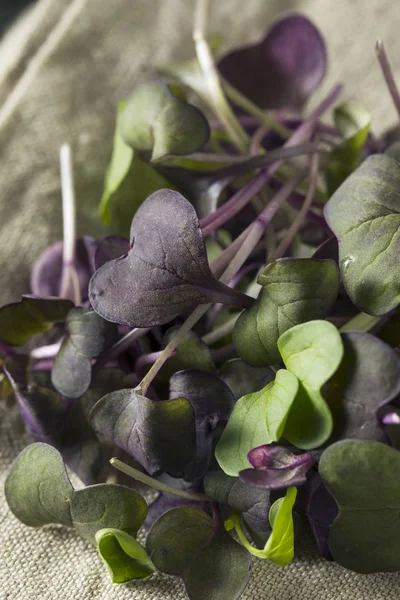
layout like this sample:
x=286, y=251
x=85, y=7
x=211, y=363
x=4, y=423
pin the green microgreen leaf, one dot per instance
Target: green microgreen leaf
x=363, y=478
x=280, y=545
x=37, y=488
x=354, y=121
x=22, y=320
x=312, y=352
x=363, y=213
x=257, y=419
x=156, y=121
x=294, y=291
x=192, y=353
x=185, y=542
x=124, y=557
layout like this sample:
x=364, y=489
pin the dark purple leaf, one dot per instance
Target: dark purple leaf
x=321, y=510
x=56, y=421
x=160, y=435
x=48, y=269
x=284, y=69
x=243, y=379
x=367, y=379
x=166, y=271
x=276, y=467
x=212, y=401
x=110, y=248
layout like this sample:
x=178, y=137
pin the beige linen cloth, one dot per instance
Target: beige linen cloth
x=63, y=68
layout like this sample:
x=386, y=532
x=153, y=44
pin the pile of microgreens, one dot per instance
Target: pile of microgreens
x=219, y=354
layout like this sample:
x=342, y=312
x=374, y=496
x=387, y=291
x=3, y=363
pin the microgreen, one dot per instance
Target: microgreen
x=220, y=349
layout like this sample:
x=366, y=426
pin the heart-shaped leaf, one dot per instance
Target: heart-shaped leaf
x=103, y=506
x=212, y=401
x=89, y=335
x=363, y=478
x=125, y=558
x=252, y=503
x=155, y=120
x=213, y=566
x=257, y=419
x=165, y=273
x=46, y=276
x=294, y=291
x=22, y=320
x=160, y=435
x=283, y=69
x=363, y=213
x=312, y=351
x=276, y=467
x=368, y=377
x=243, y=379
x=37, y=488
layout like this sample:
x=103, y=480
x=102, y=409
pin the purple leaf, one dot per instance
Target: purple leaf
x=166, y=271
x=284, y=69
x=212, y=401
x=47, y=271
x=321, y=510
x=276, y=467
x=110, y=248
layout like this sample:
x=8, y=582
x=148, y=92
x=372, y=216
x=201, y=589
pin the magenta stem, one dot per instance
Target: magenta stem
x=388, y=74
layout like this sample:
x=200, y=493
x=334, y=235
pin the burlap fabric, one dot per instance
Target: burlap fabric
x=66, y=65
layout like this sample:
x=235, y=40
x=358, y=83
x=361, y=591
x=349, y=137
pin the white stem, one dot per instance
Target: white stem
x=68, y=203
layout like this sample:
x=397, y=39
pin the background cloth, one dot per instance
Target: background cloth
x=66, y=64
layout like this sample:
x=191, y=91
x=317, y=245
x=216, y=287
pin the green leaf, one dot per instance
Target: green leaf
x=156, y=121
x=280, y=545
x=125, y=558
x=354, y=121
x=37, y=488
x=364, y=215
x=363, y=478
x=129, y=181
x=213, y=566
x=103, y=506
x=121, y=162
x=22, y=320
x=256, y=419
x=312, y=351
x=294, y=291
x=243, y=379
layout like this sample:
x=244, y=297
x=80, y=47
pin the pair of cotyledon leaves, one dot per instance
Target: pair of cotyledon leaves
x=363, y=375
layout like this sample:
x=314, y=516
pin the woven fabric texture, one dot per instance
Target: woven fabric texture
x=76, y=59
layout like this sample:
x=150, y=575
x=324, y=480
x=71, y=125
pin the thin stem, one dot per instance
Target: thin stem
x=170, y=348
x=301, y=215
x=69, y=276
x=120, y=346
x=252, y=109
x=211, y=77
x=228, y=210
x=361, y=322
x=388, y=73
x=157, y=485
x=220, y=332
x=242, y=537
x=43, y=352
x=145, y=360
